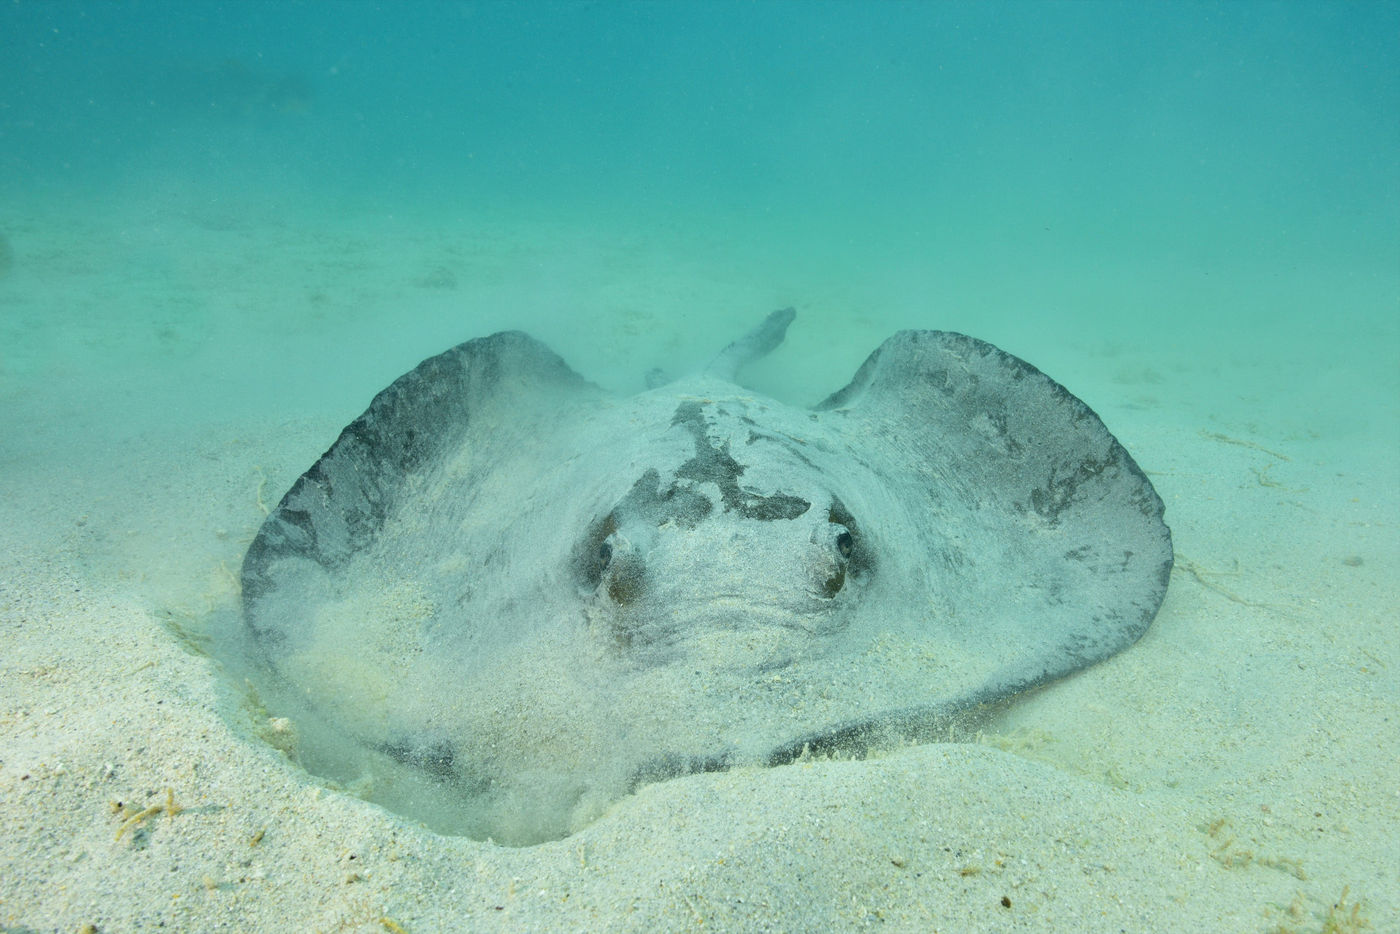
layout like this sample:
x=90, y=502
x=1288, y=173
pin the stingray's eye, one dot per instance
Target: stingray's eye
x=841, y=543
x=594, y=553
x=848, y=557
x=845, y=544
x=840, y=517
x=623, y=572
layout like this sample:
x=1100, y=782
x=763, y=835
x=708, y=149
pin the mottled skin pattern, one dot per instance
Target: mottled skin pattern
x=534, y=596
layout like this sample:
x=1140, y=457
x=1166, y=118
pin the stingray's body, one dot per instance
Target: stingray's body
x=533, y=594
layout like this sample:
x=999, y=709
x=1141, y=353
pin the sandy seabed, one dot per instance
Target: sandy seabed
x=1234, y=771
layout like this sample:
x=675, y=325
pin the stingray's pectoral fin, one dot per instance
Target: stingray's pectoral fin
x=675, y=765
x=1038, y=525
x=935, y=723
x=339, y=508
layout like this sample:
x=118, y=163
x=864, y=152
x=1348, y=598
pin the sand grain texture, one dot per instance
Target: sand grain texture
x=1234, y=771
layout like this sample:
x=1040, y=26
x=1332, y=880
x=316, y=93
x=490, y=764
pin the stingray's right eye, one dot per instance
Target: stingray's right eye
x=605, y=552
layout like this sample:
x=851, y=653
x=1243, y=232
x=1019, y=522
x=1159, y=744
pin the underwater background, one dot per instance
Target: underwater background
x=641, y=179
x=225, y=226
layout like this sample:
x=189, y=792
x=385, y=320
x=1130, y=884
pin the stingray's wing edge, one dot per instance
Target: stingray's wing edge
x=338, y=506
x=959, y=419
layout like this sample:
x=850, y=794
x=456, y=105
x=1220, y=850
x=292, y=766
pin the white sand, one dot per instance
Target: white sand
x=161, y=374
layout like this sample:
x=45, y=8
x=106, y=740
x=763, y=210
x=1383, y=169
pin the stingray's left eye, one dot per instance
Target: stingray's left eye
x=842, y=543
x=595, y=551
x=839, y=516
x=845, y=544
x=849, y=555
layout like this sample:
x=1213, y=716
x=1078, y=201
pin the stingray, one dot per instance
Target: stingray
x=512, y=597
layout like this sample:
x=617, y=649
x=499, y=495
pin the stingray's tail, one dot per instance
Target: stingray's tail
x=759, y=342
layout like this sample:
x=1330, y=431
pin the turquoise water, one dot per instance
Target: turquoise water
x=1141, y=169
x=636, y=183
